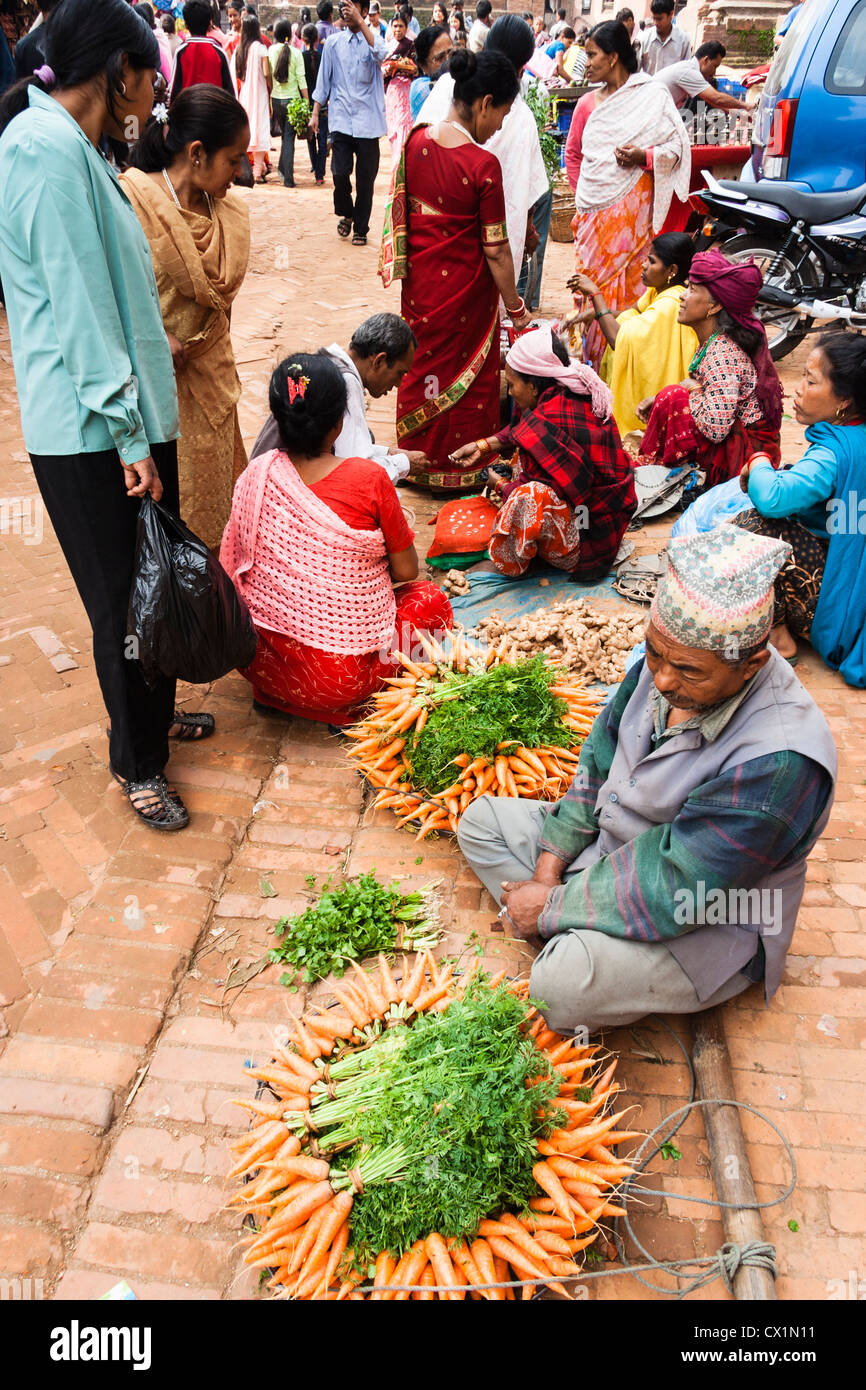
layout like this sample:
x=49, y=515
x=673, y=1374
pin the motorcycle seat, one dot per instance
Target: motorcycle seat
x=814, y=208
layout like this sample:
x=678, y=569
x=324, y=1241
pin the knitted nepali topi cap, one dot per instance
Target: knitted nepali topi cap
x=718, y=590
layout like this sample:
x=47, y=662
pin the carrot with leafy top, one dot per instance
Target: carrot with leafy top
x=549, y=1182
x=437, y=1254
x=273, y=1135
x=485, y=1262
x=307, y=1238
x=462, y=1258
x=385, y=1267
x=408, y=1272
x=525, y=1267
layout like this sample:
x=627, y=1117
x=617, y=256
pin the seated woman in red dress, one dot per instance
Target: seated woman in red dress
x=731, y=405
x=570, y=500
x=319, y=549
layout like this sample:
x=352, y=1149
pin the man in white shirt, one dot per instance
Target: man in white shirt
x=693, y=78
x=483, y=20
x=666, y=43
x=557, y=28
x=379, y=356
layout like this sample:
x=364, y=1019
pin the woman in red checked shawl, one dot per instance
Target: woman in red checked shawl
x=445, y=238
x=319, y=549
x=573, y=493
x=731, y=405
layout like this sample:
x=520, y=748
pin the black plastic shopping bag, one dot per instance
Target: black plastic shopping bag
x=184, y=612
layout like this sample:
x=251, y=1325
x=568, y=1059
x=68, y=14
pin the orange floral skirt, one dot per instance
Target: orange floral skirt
x=534, y=521
x=610, y=246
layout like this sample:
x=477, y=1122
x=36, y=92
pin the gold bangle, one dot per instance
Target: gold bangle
x=483, y=447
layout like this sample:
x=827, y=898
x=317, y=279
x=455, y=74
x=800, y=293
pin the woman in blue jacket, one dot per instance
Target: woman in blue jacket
x=92, y=362
x=818, y=505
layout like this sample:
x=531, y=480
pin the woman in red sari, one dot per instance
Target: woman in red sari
x=319, y=549
x=445, y=238
x=731, y=405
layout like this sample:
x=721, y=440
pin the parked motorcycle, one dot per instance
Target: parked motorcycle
x=811, y=248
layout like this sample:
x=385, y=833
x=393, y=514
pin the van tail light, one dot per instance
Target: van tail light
x=778, y=149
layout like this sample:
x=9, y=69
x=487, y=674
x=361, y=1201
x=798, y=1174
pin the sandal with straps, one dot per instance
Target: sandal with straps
x=344, y=227
x=192, y=727
x=161, y=808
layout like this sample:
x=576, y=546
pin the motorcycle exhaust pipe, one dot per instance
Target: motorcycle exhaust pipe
x=811, y=308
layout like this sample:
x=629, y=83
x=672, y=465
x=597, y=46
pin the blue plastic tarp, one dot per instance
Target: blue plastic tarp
x=513, y=597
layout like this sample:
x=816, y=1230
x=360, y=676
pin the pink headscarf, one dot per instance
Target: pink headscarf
x=736, y=285
x=533, y=355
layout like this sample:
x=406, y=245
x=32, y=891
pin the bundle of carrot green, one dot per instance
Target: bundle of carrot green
x=469, y=722
x=428, y=1133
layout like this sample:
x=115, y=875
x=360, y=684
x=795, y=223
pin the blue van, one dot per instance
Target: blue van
x=811, y=120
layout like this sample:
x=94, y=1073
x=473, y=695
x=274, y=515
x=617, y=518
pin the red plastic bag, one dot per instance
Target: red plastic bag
x=462, y=528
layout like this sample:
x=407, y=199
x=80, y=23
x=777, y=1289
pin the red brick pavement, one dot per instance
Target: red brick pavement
x=118, y=1069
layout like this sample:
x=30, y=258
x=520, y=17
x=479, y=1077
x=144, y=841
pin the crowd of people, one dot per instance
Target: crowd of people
x=126, y=143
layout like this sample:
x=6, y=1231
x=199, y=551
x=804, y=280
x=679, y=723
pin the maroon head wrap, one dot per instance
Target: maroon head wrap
x=736, y=284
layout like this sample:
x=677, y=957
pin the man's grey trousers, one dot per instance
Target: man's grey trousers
x=586, y=979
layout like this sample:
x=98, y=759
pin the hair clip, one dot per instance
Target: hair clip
x=45, y=75
x=297, y=386
x=160, y=113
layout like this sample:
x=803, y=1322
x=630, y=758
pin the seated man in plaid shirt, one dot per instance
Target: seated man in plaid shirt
x=669, y=877
x=573, y=494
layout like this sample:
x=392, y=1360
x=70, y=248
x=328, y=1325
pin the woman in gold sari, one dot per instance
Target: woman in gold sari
x=179, y=184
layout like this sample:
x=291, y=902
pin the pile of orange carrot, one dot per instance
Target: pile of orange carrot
x=301, y=1204
x=382, y=743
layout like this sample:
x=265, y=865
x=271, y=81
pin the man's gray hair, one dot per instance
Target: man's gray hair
x=387, y=333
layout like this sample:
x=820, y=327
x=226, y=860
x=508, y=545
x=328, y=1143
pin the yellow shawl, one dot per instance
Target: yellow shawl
x=652, y=350
x=200, y=265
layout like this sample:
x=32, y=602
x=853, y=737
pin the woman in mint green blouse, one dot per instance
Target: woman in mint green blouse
x=92, y=362
x=289, y=82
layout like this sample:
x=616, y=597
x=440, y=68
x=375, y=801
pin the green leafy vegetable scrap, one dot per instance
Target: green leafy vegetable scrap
x=358, y=919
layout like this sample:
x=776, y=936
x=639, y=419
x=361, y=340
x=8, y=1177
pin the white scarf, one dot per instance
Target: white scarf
x=641, y=112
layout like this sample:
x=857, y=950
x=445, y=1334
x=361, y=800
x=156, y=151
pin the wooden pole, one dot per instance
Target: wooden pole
x=732, y=1174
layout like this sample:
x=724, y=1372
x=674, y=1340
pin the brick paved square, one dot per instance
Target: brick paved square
x=116, y=948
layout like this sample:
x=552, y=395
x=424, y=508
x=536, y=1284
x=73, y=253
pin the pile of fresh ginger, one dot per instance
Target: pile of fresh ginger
x=588, y=641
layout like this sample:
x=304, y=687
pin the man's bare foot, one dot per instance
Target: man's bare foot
x=781, y=639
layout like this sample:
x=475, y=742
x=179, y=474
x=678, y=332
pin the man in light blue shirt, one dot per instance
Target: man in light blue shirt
x=350, y=81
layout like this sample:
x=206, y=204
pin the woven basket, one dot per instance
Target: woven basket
x=563, y=213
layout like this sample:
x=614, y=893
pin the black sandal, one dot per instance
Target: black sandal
x=344, y=227
x=162, y=808
x=193, y=727
x=189, y=727
x=358, y=240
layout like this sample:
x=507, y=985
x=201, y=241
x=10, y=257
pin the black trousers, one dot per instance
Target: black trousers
x=286, y=165
x=95, y=522
x=318, y=145
x=364, y=154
